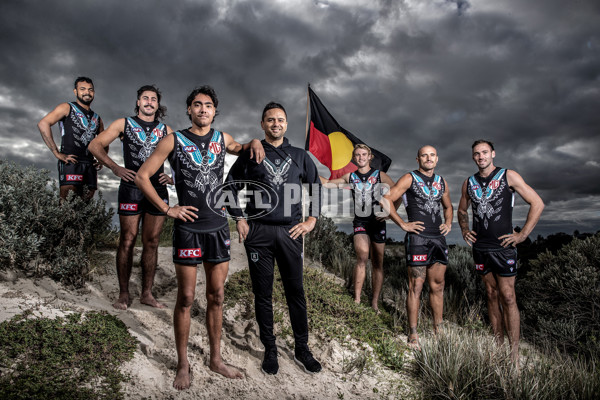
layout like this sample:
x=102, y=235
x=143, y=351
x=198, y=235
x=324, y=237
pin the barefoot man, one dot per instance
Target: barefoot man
x=78, y=125
x=491, y=193
x=140, y=136
x=201, y=235
x=426, y=197
x=369, y=232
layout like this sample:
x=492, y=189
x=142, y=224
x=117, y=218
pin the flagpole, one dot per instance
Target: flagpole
x=303, y=192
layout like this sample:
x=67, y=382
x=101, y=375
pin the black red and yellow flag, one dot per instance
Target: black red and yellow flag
x=332, y=145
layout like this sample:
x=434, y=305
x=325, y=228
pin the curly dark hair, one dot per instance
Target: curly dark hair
x=161, y=111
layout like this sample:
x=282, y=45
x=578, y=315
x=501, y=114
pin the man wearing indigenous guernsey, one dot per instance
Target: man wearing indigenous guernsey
x=201, y=234
x=490, y=193
x=369, y=232
x=140, y=135
x=426, y=197
x=78, y=126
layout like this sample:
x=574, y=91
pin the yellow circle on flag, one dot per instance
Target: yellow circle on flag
x=341, y=150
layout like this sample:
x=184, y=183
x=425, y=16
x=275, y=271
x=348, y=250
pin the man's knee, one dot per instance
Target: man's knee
x=151, y=243
x=508, y=297
x=185, y=298
x=215, y=297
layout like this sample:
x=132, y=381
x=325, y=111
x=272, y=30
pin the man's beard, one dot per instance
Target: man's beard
x=86, y=102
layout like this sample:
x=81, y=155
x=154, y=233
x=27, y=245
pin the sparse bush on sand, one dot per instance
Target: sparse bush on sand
x=42, y=237
x=560, y=298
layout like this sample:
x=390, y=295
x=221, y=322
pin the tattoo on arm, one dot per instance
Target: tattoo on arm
x=463, y=220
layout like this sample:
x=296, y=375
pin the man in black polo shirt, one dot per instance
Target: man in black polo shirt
x=274, y=231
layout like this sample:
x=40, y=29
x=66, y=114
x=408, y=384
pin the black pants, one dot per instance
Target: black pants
x=264, y=245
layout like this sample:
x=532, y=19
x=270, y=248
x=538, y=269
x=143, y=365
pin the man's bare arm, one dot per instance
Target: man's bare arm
x=256, y=148
x=45, y=127
x=101, y=142
x=463, y=216
x=446, y=227
x=395, y=194
x=536, y=206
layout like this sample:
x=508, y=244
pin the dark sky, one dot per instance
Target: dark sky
x=398, y=74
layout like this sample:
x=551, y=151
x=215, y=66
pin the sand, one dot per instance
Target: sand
x=152, y=369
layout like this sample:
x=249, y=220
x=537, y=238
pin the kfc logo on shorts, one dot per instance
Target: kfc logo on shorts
x=479, y=267
x=190, y=149
x=419, y=257
x=359, y=229
x=510, y=261
x=74, y=178
x=214, y=148
x=128, y=207
x=436, y=185
x=189, y=253
x=494, y=184
x=227, y=242
x=372, y=180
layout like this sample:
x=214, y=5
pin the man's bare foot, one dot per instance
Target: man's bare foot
x=183, y=378
x=226, y=370
x=413, y=342
x=151, y=301
x=123, y=302
x=375, y=308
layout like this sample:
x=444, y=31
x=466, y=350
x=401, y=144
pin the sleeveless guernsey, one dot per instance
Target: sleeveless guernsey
x=140, y=138
x=365, y=189
x=77, y=130
x=198, y=164
x=492, y=203
x=423, y=201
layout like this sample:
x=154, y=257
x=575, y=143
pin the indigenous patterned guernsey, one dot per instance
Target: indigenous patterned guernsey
x=365, y=189
x=198, y=163
x=492, y=203
x=140, y=138
x=423, y=201
x=77, y=130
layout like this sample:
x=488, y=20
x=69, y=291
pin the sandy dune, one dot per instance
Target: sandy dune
x=153, y=367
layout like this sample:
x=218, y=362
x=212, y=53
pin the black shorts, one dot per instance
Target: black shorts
x=191, y=248
x=133, y=202
x=81, y=173
x=502, y=262
x=425, y=250
x=374, y=228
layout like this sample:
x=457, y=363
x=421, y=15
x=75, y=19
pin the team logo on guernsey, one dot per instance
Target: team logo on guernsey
x=74, y=178
x=479, y=267
x=128, y=207
x=278, y=173
x=428, y=197
x=484, y=198
x=204, y=162
x=144, y=143
x=189, y=253
x=419, y=257
x=372, y=180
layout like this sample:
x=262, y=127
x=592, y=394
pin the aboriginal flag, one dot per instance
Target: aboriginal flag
x=332, y=145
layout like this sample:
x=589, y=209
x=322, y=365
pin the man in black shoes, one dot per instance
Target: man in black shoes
x=273, y=230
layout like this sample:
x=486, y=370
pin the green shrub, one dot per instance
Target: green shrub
x=75, y=357
x=560, y=297
x=43, y=237
x=463, y=363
